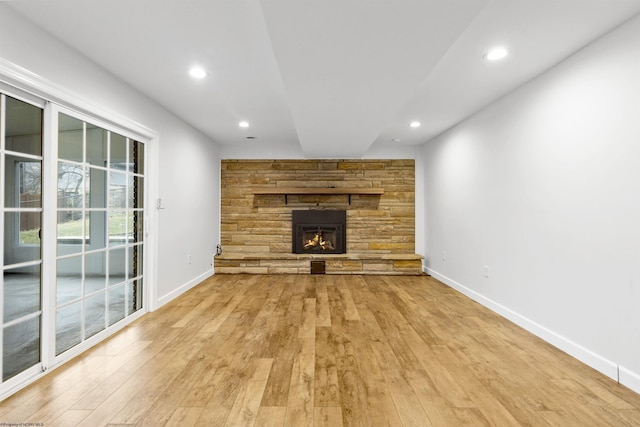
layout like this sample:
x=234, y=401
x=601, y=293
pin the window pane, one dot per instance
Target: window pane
x=117, y=190
x=117, y=227
x=21, y=292
x=118, y=152
x=70, y=137
x=30, y=229
x=96, y=184
x=97, y=232
x=23, y=183
x=117, y=258
x=23, y=127
x=68, y=327
x=70, y=232
x=136, y=156
x=30, y=184
x=95, y=272
x=69, y=280
x=96, y=145
x=94, y=314
x=14, y=251
x=116, y=304
x=70, y=187
x=21, y=347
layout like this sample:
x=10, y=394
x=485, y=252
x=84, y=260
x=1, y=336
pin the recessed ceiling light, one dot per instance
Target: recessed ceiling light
x=496, y=54
x=197, y=72
x=243, y=124
x=414, y=124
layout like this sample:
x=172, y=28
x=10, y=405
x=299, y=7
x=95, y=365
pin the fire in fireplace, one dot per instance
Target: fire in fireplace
x=319, y=231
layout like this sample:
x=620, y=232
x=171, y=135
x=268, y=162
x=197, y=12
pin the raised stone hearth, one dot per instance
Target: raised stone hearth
x=398, y=264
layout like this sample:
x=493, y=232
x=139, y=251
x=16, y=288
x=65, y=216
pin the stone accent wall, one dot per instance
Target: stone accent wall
x=261, y=224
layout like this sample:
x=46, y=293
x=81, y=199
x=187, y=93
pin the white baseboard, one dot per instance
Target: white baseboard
x=586, y=356
x=182, y=289
x=629, y=379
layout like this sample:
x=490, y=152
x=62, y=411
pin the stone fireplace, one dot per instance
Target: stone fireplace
x=375, y=198
x=319, y=231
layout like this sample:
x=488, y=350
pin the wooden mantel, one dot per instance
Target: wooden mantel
x=286, y=191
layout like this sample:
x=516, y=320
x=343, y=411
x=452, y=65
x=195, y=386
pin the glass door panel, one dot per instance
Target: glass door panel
x=100, y=239
x=21, y=206
x=69, y=280
x=70, y=138
x=116, y=304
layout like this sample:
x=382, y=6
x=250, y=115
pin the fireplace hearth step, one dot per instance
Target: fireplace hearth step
x=350, y=263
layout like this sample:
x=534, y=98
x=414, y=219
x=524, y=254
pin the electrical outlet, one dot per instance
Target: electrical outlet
x=486, y=271
x=189, y=259
x=444, y=255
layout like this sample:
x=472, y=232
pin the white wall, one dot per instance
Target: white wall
x=543, y=187
x=184, y=164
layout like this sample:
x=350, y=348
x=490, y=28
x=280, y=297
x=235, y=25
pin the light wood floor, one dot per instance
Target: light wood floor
x=323, y=350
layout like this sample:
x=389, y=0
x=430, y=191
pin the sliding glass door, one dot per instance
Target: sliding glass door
x=72, y=226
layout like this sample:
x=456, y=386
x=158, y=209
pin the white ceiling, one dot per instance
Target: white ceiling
x=333, y=78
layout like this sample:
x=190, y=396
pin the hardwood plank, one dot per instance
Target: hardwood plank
x=327, y=388
x=245, y=409
x=184, y=417
x=353, y=399
x=277, y=389
x=308, y=327
x=380, y=405
x=4, y=410
x=491, y=409
x=196, y=312
x=165, y=405
x=586, y=405
x=280, y=344
x=271, y=416
x=226, y=385
x=345, y=358
x=350, y=310
x=471, y=417
x=352, y=389
x=126, y=393
x=300, y=403
x=323, y=315
x=327, y=417
x=62, y=396
x=69, y=418
x=407, y=404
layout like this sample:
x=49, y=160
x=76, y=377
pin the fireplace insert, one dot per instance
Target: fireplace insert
x=319, y=231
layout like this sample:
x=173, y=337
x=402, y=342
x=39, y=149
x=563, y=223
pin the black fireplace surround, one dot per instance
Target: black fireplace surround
x=319, y=231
